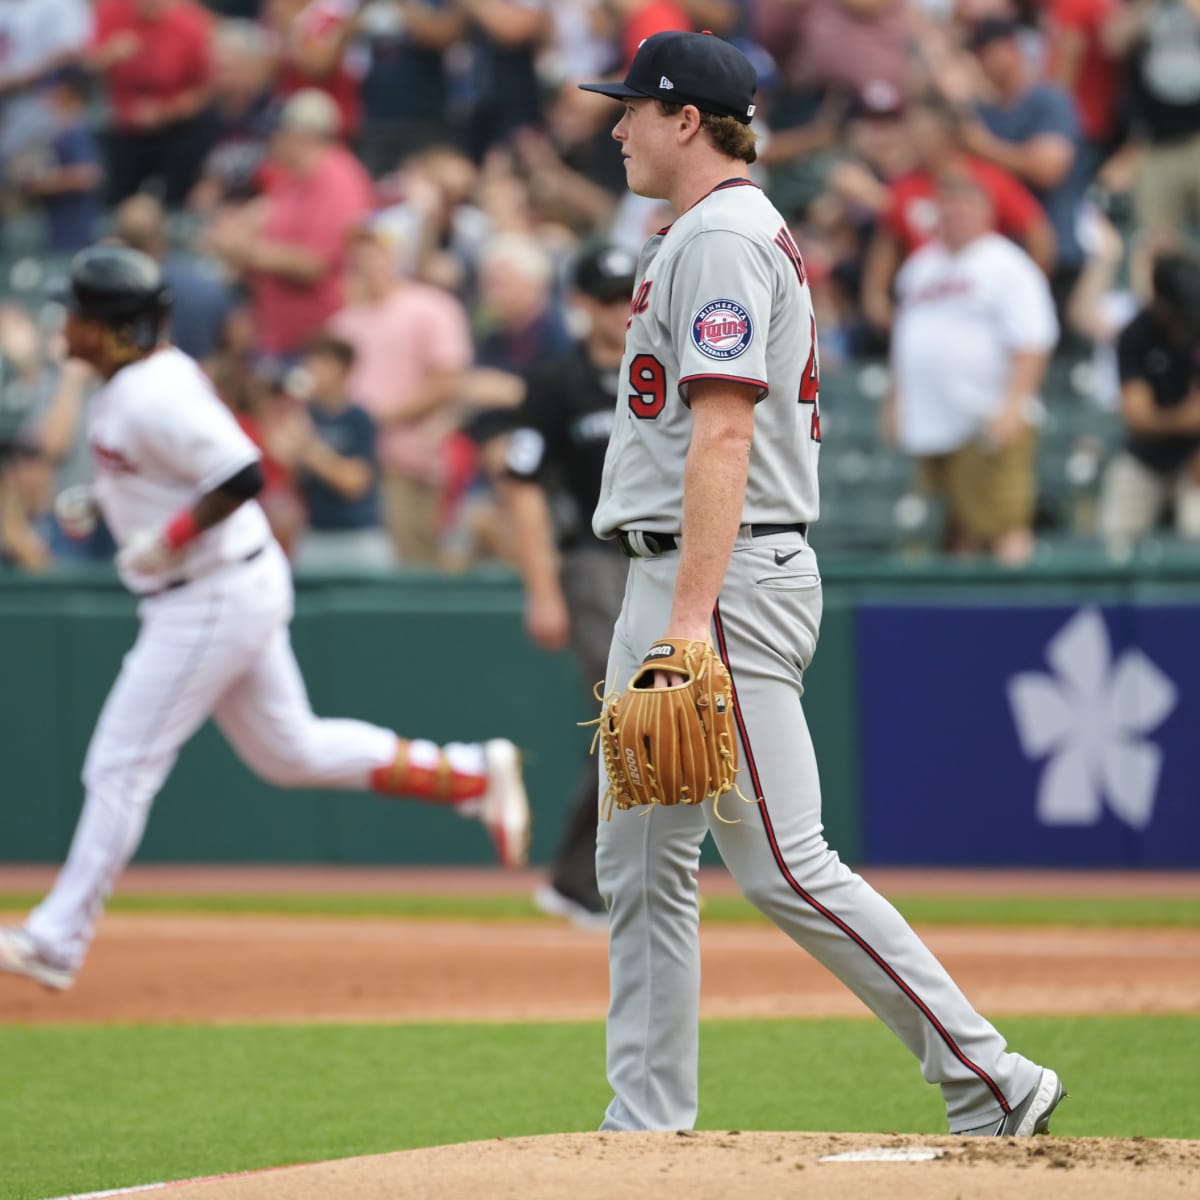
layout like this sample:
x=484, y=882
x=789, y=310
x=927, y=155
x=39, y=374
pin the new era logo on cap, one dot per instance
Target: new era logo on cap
x=688, y=68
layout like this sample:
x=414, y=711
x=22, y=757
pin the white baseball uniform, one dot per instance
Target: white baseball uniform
x=960, y=317
x=213, y=642
x=722, y=294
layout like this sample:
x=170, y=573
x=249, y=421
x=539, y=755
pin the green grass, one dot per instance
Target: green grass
x=84, y=1108
x=1073, y=911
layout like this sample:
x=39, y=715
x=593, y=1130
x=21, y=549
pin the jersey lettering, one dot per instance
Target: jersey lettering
x=641, y=301
x=810, y=384
x=648, y=379
x=108, y=459
x=786, y=243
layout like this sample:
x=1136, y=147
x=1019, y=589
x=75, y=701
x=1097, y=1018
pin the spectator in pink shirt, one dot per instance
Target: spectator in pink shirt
x=412, y=347
x=290, y=245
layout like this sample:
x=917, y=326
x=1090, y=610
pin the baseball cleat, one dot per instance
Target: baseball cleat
x=554, y=903
x=19, y=955
x=504, y=808
x=1031, y=1116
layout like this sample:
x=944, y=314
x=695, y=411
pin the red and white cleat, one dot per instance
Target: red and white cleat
x=504, y=807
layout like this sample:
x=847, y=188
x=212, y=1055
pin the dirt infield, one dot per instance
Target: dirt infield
x=229, y=968
x=734, y=1166
x=147, y=968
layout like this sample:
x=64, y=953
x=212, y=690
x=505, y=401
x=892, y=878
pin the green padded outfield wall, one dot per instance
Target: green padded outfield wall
x=905, y=648
x=428, y=656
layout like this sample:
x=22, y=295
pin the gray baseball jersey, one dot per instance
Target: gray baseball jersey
x=721, y=294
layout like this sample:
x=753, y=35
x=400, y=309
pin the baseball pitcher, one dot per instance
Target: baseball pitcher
x=710, y=485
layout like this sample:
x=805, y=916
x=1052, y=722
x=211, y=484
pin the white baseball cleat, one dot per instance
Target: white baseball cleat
x=19, y=955
x=553, y=903
x=1031, y=1116
x=504, y=807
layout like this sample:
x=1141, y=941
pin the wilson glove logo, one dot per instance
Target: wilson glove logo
x=635, y=775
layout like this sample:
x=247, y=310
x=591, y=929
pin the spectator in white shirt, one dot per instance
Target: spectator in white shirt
x=974, y=329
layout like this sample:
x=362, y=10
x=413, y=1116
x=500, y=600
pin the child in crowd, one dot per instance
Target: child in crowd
x=332, y=444
x=65, y=177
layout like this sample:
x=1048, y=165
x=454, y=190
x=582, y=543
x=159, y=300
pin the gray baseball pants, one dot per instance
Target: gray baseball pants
x=765, y=628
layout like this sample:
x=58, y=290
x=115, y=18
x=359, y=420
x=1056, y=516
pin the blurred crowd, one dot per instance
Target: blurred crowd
x=368, y=210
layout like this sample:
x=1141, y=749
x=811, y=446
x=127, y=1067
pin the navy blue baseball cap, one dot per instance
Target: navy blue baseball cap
x=688, y=68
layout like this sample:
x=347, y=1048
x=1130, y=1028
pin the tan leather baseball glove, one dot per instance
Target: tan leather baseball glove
x=673, y=745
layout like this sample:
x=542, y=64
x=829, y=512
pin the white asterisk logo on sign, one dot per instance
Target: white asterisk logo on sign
x=1092, y=717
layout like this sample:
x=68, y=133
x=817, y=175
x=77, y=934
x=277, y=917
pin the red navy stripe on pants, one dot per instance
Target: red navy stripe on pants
x=833, y=918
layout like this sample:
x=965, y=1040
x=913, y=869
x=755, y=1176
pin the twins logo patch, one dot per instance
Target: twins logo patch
x=722, y=329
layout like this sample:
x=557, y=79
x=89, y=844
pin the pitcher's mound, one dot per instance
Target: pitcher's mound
x=737, y=1166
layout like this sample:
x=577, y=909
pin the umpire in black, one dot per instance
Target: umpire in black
x=574, y=583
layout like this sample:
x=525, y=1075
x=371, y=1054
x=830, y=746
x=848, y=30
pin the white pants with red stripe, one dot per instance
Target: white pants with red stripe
x=218, y=647
x=765, y=627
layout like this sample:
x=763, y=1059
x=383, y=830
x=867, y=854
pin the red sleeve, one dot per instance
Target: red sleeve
x=900, y=194
x=104, y=22
x=1017, y=208
x=893, y=218
x=200, y=60
x=1083, y=15
x=268, y=177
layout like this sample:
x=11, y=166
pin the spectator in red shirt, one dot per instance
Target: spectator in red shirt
x=156, y=59
x=1080, y=63
x=313, y=40
x=290, y=246
x=910, y=219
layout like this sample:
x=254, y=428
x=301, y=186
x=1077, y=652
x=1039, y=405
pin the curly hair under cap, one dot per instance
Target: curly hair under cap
x=728, y=134
x=127, y=343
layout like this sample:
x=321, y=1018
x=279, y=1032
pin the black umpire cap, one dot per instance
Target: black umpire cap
x=689, y=68
x=606, y=273
x=119, y=287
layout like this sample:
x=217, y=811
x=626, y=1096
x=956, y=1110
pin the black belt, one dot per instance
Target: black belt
x=638, y=543
x=184, y=580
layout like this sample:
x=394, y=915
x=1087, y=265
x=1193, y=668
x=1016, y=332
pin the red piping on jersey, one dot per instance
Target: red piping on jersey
x=811, y=901
x=729, y=183
x=758, y=383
